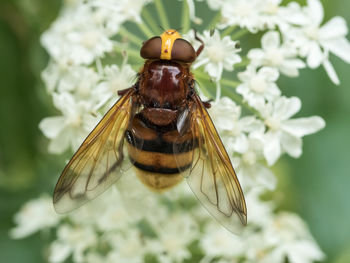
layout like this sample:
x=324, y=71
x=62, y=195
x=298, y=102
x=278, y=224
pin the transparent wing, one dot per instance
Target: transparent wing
x=211, y=175
x=99, y=162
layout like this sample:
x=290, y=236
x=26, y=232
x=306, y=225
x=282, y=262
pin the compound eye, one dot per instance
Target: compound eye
x=151, y=49
x=183, y=51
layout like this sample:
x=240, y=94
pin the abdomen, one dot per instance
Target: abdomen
x=151, y=149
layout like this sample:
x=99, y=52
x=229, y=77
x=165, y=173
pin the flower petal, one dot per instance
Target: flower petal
x=64, y=102
x=287, y=107
x=339, y=47
x=59, y=252
x=59, y=144
x=331, y=72
x=241, y=143
x=303, y=126
x=256, y=55
x=52, y=126
x=291, y=144
x=315, y=57
x=315, y=11
x=270, y=40
x=334, y=28
x=293, y=15
x=268, y=73
x=272, y=147
x=251, y=124
x=308, y=251
x=265, y=177
x=273, y=91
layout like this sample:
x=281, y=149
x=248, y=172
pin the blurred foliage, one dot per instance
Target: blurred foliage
x=25, y=168
x=319, y=181
x=315, y=186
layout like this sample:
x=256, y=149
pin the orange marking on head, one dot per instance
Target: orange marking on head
x=168, y=39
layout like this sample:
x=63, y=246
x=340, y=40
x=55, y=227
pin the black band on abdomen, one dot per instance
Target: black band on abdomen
x=159, y=145
x=162, y=170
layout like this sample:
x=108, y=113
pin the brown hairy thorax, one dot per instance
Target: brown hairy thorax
x=164, y=84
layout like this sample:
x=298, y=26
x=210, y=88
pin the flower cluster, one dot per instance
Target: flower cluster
x=129, y=223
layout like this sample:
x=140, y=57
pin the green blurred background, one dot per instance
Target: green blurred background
x=316, y=186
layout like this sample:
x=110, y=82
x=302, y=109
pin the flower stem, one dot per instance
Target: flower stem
x=149, y=19
x=228, y=30
x=214, y=21
x=145, y=30
x=206, y=92
x=230, y=83
x=245, y=61
x=239, y=34
x=225, y=87
x=185, y=21
x=132, y=37
x=223, y=81
x=133, y=53
x=202, y=75
x=99, y=67
x=239, y=100
x=162, y=14
x=218, y=91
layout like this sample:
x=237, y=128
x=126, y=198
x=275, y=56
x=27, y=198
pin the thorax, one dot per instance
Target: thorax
x=164, y=84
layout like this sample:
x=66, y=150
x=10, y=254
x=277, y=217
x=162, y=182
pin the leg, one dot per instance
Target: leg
x=192, y=92
x=200, y=49
x=207, y=103
x=124, y=91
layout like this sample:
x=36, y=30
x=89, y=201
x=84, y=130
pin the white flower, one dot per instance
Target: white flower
x=132, y=256
x=81, y=81
x=174, y=235
x=254, y=15
x=94, y=257
x=111, y=206
x=124, y=9
x=284, y=134
x=272, y=14
x=72, y=240
x=244, y=13
x=257, y=250
x=258, y=85
x=215, y=4
x=139, y=202
x=252, y=173
x=76, y=37
x=293, y=15
x=260, y=213
x=217, y=241
x=228, y=120
x=129, y=222
x=231, y=126
x=115, y=215
x=115, y=79
x=191, y=10
x=180, y=191
x=291, y=238
x=35, y=215
x=274, y=54
x=219, y=54
x=315, y=41
x=71, y=128
x=127, y=247
x=52, y=74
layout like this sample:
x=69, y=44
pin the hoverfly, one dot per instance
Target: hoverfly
x=162, y=129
